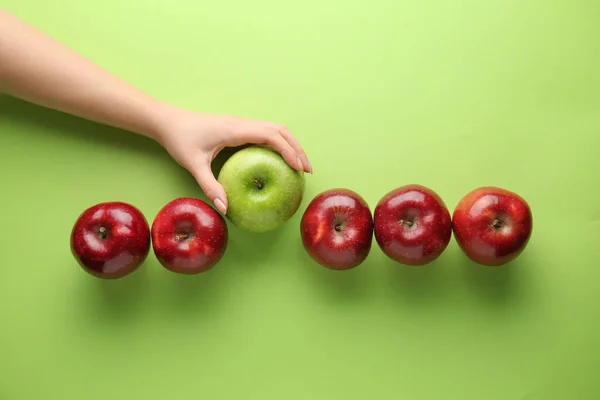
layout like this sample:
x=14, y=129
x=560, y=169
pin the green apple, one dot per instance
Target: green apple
x=263, y=191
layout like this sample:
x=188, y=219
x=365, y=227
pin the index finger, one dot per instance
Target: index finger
x=291, y=139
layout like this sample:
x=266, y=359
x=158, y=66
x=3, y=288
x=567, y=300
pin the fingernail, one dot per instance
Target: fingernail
x=310, y=168
x=220, y=206
x=300, y=166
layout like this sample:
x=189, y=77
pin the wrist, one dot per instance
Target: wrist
x=164, y=116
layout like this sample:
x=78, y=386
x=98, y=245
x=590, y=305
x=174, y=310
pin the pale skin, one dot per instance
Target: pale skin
x=36, y=68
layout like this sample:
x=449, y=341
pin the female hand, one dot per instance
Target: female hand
x=37, y=68
x=195, y=139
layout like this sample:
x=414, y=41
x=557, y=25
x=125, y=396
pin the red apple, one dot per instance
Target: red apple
x=337, y=229
x=189, y=236
x=110, y=240
x=492, y=225
x=412, y=225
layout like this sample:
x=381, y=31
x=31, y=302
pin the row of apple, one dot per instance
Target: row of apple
x=413, y=226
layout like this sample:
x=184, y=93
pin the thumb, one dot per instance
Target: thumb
x=211, y=187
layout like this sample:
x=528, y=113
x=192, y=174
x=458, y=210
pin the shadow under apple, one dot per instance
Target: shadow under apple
x=342, y=286
x=192, y=295
x=497, y=285
x=101, y=302
x=422, y=284
x=250, y=252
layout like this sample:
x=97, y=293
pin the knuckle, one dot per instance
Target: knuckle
x=278, y=140
x=271, y=133
x=205, y=184
x=207, y=189
x=264, y=135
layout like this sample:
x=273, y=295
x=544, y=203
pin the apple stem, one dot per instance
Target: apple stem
x=257, y=183
x=406, y=223
x=102, y=232
x=181, y=237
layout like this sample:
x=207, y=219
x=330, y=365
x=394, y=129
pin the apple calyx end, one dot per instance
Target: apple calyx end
x=497, y=223
x=338, y=227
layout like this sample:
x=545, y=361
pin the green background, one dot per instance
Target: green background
x=449, y=94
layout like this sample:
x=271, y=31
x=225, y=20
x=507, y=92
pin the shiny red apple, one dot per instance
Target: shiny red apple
x=337, y=229
x=492, y=225
x=110, y=240
x=412, y=225
x=189, y=236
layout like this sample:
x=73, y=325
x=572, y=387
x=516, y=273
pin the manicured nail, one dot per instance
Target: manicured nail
x=220, y=206
x=300, y=166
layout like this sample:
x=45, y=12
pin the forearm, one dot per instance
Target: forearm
x=38, y=69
